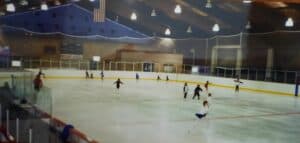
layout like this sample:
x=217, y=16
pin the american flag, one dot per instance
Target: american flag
x=99, y=12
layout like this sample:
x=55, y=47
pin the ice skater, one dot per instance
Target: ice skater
x=41, y=73
x=197, y=92
x=38, y=83
x=158, y=78
x=118, y=85
x=206, y=85
x=167, y=78
x=137, y=76
x=237, y=85
x=203, y=111
x=87, y=74
x=208, y=98
x=185, y=90
x=92, y=76
x=102, y=75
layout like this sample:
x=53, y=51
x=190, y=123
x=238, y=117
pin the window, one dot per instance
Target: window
x=49, y=50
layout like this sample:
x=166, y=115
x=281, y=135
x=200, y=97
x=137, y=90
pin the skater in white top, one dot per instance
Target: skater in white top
x=208, y=98
x=185, y=90
x=203, y=111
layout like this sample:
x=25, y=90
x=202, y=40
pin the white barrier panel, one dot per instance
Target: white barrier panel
x=258, y=86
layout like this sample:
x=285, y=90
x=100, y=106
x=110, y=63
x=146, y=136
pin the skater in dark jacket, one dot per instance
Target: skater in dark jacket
x=197, y=92
x=87, y=74
x=102, y=75
x=118, y=83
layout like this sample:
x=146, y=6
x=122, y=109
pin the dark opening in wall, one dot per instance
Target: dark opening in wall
x=49, y=50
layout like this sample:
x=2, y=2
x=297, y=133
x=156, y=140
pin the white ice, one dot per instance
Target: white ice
x=155, y=112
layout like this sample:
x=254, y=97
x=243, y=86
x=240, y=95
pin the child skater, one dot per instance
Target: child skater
x=158, y=78
x=102, y=75
x=197, y=92
x=118, y=85
x=41, y=73
x=208, y=98
x=137, y=76
x=167, y=78
x=237, y=84
x=185, y=90
x=87, y=74
x=203, y=111
x=206, y=85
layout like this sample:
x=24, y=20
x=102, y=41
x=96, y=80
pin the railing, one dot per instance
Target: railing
x=258, y=74
x=31, y=121
x=281, y=76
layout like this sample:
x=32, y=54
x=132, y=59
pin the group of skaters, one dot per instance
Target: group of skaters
x=196, y=93
x=207, y=99
x=91, y=75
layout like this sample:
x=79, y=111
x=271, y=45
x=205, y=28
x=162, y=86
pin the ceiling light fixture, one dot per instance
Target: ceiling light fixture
x=2, y=13
x=247, y=1
x=10, y=7
x=289, y=22
x=177, y=9
x=248, y=25
x=133, y=16
x=208, y=4
x=216, y=28
x=23, y=2
x=189, y=30
x=168, y=32
x=117, y=19
x=44, y=6
x=153, y=13
x=57, y=2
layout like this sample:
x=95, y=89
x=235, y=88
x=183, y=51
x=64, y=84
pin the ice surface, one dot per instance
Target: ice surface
x=155, y=112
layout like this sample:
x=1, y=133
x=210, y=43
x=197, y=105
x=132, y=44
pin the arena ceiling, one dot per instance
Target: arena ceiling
x=232, y=16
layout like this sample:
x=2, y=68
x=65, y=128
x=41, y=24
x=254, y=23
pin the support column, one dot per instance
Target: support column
x=214, y=57
x=270, y=60
x=239, y=59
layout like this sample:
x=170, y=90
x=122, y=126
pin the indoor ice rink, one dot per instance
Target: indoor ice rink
x=155, y=111
x=127, y=71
